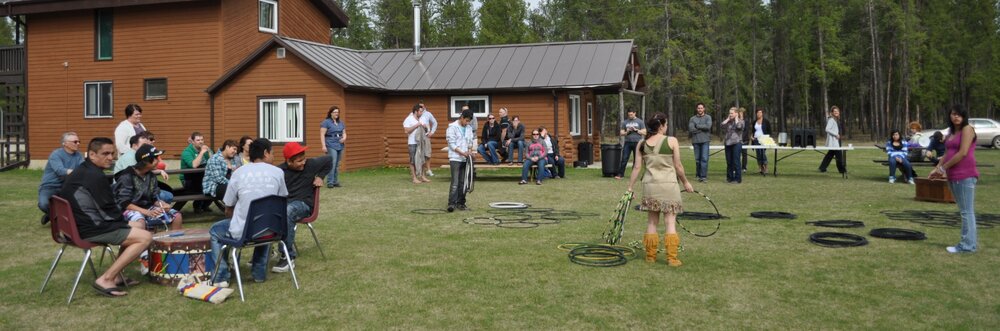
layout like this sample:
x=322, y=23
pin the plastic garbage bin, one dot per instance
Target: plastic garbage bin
x=611, y=155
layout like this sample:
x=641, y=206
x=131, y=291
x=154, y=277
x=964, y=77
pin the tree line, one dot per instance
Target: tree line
x=885, y=63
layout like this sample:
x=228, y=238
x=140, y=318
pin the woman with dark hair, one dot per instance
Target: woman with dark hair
x=242, y=152
x=661, y=195
x=936, y=148
x=761, y=127
x=897, y=151
x=333, y=134
x=959, y=167
x=733, y=126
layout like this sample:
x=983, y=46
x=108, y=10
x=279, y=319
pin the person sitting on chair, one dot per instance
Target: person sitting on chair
x=61, y=163
x=248, y=183
x=897, y=151
x=98, y=217
x=516, y=142
x=302, y=177
x=490, y=141
x=137, y=193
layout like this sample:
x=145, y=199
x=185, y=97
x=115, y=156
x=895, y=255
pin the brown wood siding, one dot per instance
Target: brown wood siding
x=292, y=77
x=297, y=19
x=365, y=144
x=186, y=54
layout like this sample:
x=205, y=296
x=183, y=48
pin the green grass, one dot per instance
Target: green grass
x=391, y=269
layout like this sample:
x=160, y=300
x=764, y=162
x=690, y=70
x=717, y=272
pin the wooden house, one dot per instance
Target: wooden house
x=229, y=68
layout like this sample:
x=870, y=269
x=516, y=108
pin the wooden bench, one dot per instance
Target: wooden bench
x=479, y=165
x=927, y=164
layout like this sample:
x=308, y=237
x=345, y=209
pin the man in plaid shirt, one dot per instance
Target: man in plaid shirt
x=218, y=169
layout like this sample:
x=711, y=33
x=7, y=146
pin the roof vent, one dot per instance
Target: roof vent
x=281, y=52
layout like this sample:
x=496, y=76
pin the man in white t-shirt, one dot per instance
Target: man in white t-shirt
x=410, y=125
x=248, y=183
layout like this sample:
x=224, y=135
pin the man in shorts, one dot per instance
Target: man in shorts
x=98, y=217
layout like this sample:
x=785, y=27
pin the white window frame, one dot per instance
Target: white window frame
x=590, y=119
x=574, y=114
x=456, y=112
x=111, y=107
x=274, y=16
x=281, y=133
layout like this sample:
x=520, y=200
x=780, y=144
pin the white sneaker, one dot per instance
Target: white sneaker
x=951, y=249
x=430, y=173
x=911, y=182
x=892, y=180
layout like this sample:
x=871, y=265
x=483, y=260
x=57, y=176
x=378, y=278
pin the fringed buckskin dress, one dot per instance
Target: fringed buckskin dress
x=659, y=183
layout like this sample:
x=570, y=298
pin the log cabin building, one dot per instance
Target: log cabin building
x=229, y=68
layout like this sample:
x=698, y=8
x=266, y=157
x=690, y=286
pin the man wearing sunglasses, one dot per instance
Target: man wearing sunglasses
x=61, y=163
x=490, y=140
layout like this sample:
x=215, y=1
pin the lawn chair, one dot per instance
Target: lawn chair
x=64, y=232
x=266, y=224
x=308, y=222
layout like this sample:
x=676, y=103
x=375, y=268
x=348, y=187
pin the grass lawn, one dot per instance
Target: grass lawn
x=389, y=268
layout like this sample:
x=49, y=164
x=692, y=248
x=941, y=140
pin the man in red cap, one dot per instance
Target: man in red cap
x=302, y=177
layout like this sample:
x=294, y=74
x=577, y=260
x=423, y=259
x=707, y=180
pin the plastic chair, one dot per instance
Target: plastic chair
x=64, y=232
x=266, y=224
x=308, y=222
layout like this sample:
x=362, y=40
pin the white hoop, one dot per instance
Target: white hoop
x=509, y=205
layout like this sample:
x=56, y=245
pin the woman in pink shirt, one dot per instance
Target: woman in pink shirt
x=959, y=167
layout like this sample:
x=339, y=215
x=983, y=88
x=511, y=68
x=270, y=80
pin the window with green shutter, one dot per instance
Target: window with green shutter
x=104, y=21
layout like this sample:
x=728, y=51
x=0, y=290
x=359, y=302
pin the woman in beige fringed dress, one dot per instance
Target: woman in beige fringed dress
x=661, y=196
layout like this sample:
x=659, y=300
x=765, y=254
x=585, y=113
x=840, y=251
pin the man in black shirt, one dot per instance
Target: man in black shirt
x=98, y=217
x=505, y=134
x=302, y=177
x=490, y=141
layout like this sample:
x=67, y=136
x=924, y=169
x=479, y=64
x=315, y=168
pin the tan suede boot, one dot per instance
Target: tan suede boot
x=652, y=243
x=672, y=241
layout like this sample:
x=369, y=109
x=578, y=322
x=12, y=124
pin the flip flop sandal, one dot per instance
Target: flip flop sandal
x=128, y=282
x=108, y=292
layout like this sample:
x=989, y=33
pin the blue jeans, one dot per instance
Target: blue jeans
x=893, y=164
x=490, y=157
x=734, y=170
x=558, y=166
x=456, y=191
x=627, y=150
x=520, y=150
x=539, y=174
x=44, y=194
x=297, y=210
x=335, y=155
x=259, y=269
x=761, y=153
x=965, y=197
x=701, y=160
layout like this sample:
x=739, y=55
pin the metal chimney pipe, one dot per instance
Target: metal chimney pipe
x=416, y=28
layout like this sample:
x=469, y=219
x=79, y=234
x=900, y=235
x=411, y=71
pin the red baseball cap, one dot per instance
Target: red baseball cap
x=293, y=149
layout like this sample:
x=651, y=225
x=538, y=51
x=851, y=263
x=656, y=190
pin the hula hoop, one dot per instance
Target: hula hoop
x=597, y=256
x=537, y=210
x=838, y=224
x=429, y=211
x=470, y=175
x=481, y=220
x=509, y=205
x=511, y=218
x=505, y=211
x=543, y=221
x=837, y=239
x=516, y=225
x=717, y=216
x=897, y=234
x=617, y=229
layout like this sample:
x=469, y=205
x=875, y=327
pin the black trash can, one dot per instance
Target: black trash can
x=585, y=153
x=611, y=155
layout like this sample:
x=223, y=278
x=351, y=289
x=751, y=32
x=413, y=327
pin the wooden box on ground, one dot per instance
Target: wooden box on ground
x=933, y=190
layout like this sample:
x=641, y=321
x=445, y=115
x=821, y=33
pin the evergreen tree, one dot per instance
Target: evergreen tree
x=452, y=24
x=504, y=22
x=359, y=33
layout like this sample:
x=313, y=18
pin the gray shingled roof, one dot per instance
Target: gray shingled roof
x=580, y=64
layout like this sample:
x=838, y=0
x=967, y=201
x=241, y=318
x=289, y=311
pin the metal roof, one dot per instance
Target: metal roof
x=517, y=67
x=583, y=64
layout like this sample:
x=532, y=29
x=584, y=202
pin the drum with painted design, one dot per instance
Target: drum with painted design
x=176, y=254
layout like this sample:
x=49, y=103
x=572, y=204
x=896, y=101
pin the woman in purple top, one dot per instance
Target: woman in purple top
x=959, y=167
x=333, y=134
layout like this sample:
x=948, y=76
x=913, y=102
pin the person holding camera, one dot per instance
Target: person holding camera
x=633, y=129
